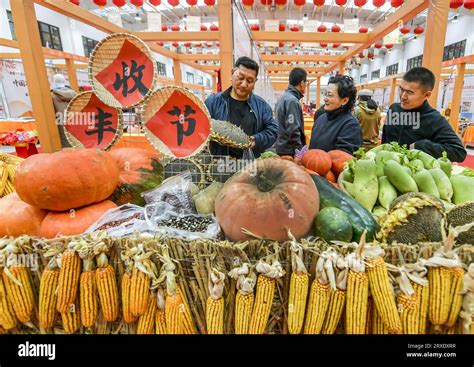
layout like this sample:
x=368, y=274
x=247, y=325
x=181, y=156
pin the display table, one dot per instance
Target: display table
x=14, y=124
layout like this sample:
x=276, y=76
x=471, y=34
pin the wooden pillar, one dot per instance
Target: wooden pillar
x=435, y=36
x=308, y=87
x=457, y=93
x=342, y=67
x=177, y=73
x=71, y=73
x=318, y=93
x=393, y=88
x=224, y=15
x=27, y=33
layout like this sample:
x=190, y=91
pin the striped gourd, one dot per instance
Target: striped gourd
x=440, y=292
x=456, y=296
x=139, y=290
x=19, y=291
x=262, y=304
x=318, y=304
x=107, y=288
x=215, y=303
x=7, y=314
x=146, y=322
x=128, y=317
x=356, y=303
x=337, y=302
x=48, y=298
x=69, y=274
x=409, y=309
x=160, y=319
x=382, y=294
x=88, y=295
x=71, y=319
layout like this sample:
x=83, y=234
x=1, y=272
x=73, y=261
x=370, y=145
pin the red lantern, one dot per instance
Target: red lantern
x=154, y=2
x=210, y=2
x=363, y=29
x=361, y=55
x=360, y=3
x=175, y=44
x=378, y=3
x=280, y=3
x=100, y=3
x=405, y=29
x=173, y=3
x=335, y=28
x=217, y=43
x=191, y=2
x=299, y=2
x=164, y=28
x=280, y=62
x=137, y=3
x=370, y=56
x=378, y=45
x=214, y=28
x=187, y=44
x=203, y=28
x=469, y=4
x=255, y=27
x=175, y=28
x=418, y=30
x=455, y=4
x=281, y=27
x=322, y=28
x=336, y=45
x=266, y=2
x=198, y=44
x=341, y=3
x=161, y=44
x=396, y=3
x=389, y=46
x=75, y=2
x=247, y=3
x=318, y=3
x=294, y=28
x=208, y=44
x=281, y=44
x=288, y=62
x=323, y=44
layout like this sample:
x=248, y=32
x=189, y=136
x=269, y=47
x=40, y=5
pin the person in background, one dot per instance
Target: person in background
x=62, y=95
x=413, y=122
x=241, y=107
x=289, y=115
x=338, y=128
x=368, y=114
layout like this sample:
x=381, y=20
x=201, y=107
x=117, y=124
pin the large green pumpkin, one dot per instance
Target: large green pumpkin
x=140, y=170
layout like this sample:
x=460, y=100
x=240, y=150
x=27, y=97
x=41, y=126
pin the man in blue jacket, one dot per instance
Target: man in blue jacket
x=241, y=107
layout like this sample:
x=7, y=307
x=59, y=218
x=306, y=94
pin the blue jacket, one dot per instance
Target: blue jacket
x=265, y=132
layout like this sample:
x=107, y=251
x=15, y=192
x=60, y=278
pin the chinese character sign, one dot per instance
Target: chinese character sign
x=181, y=125
x=129, y=77
x=96, y=125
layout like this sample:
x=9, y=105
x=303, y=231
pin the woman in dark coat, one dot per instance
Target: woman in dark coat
x=338, y=128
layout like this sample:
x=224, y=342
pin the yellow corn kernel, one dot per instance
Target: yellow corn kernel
x=88, y=299
x=456, y=297
x=48, y=298
x=369, y=316
x=174, y=314
x=7, y=314
x=160, y=318
x=243, y=312
x=146, y=322
x=71, y=319
x=382, y=294
x=68, y=285
x=440, y=292
x=108, y=293
x=215, y=316
x=378, y=325
x=297, y=301
x=356, y=303
x=423, y=295
x=21, y=297
x=336, y=307
x=262, y=305
x=188, y=323
x=139, y=290
x=409, y=309
x=318, y=303
x=128, y=317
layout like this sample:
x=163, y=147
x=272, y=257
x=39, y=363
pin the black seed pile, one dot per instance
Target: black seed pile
x=188, y=223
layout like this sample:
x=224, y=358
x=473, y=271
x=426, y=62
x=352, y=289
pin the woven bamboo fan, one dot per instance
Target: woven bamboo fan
x=176, y=122
x=174, y=167
x=122, y=71
x=90, y=123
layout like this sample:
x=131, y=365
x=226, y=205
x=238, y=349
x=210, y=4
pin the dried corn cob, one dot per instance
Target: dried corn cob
x=298, y=288
x=71, y=319
x=88, y=294
x=423, y=294
x=107, y=288
x=188, y=323
x=174, y=314
x=7, y=314
x=370, y=316
x=456, y=297
x=409, y=309
x=146, y=322
x=160, y=320
x=215, y=303
x=2, y=330
x=337, y=302
x=440, y=291
x=19, y=291
x=139, y=290
x=266, y=284
x=244, y=298
x=378, y=325
x=69, y=275
x=357, y=298
x=382, y=294
x=48, y=297
x=126, y=287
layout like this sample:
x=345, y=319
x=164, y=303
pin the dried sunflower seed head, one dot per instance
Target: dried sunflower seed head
x=226, y=133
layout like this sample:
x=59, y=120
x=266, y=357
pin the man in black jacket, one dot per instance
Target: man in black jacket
x=414, y=123
x=289, y=115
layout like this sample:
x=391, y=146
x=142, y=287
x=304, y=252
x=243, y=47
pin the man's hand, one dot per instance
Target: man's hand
x=252, y=140
x=412, y=146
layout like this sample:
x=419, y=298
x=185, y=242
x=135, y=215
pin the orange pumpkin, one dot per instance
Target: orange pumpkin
x=330, y=177
x=18, y=218
x=67, y=179
x=74, y=221
x=339, y=158
x=317, y=160
x=266, y=198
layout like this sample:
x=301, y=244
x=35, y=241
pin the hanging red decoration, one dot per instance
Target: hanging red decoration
x=164, y=28
x=187, y=44
x=210, y=2
x=137, y=3
x=208, y=44
x=288, y=62
x=217, y=43
x=100, y=3
x=203, y=28
x=281, y=27
x=280, y=62
x=154, y=2
x=299, y=2
x=389, y=46
x=75, y=2
x=335, y=28
x=191, y=2
x=456, y=4
x=405, y=29
x=294, y=28
x=469, y=4
x=363, y=29
x=248, y=3
x=341, y=3
x=175, y=44
x=266, y=2
x=336, y=45
x=198, y=44
x=280, y=3
x=370, y=55
x=378, y=3
x=255, y=27
x=418, y=30
x=318, y=3
x=396, y=3
x=281, y=44
x=323, y=44
x=360, y=3
x=161, y=44
x=322, y=28
x=361, y=55
x=378, y=45
x=214, y=28
x=173, y=2
x=175, y=28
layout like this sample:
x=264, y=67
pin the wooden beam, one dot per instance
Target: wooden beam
x=457, y=95
x=27, y=32
x=224, y=16
x=435, y=35
x=460, y=60
x=198, y=57
x=71, y=73
x=309, y=69
x=181, y=36
x=177, y=73
x=10, y=55
x=393, y=87
x=310, y=37
x=76, y=66
x=301, y=58
x=8, y=43
x=318, y=94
